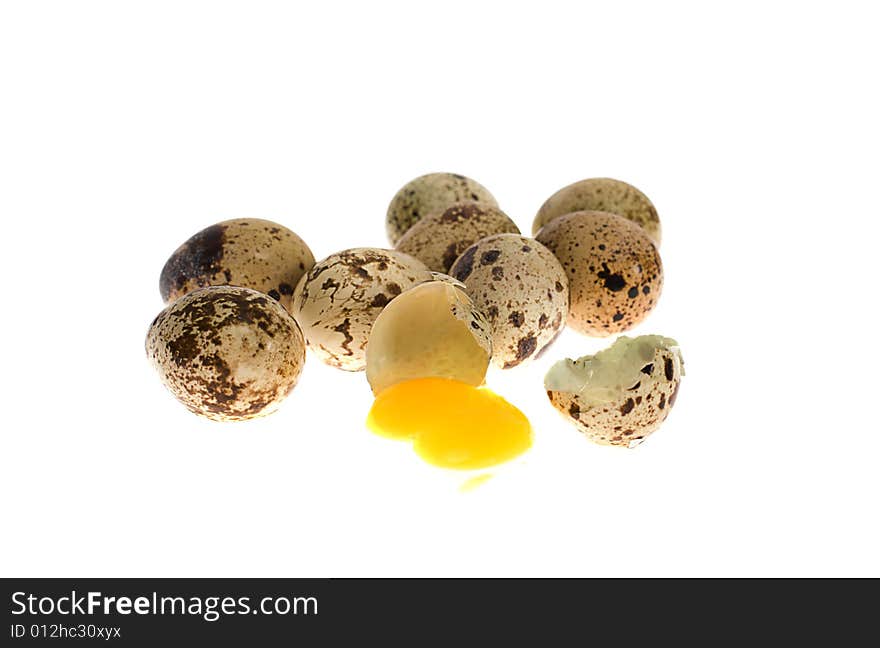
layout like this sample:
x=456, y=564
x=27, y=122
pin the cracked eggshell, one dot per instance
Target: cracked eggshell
x=601, y=194
x=615, y=275
x=438, y=239
x=429, y=194
x=248, y=252
x=430, y=331
x=227, y=353
x=338, y=300
x=622, y=394
x=521, y=288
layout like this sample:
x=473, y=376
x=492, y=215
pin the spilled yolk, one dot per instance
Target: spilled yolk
x=475, y=482
x=451, y=424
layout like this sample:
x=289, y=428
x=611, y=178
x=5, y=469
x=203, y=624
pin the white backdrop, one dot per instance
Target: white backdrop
x=127, y=127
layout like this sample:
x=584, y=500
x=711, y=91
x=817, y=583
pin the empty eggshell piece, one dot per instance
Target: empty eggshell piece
x=338, y=300
x=429, y=194
x=601, y=194
x=521, y=288
x=248, y=252
x=622, y=394
x=227, y=353
x=430, y=331
x=438, y=239
x=615, y=275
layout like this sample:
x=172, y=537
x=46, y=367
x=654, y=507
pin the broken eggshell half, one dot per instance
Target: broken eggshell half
x=430, y=331
x=622, y=394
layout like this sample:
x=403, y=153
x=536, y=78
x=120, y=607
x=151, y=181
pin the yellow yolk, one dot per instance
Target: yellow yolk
x=475, y=482
x=451, y=424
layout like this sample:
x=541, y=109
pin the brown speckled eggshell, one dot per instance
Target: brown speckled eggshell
x=614, y=271
x=339, y=299
x=522, y=290
x=429, y=194
x=437, y=240
x=248, y=252
x=637, y=414
x=227, y=353
x=601, y=194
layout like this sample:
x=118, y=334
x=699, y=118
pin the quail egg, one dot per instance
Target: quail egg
x=426, y=362
x=601, y=194
x=614, y=270
x=522, y=290
x=430, y=331
x=338, y=300
x=248, y=252
x=439, y=238
x=622, y=394
x=227, y=353
x=428, y=194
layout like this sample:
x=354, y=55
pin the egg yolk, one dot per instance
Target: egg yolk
x=451, y=424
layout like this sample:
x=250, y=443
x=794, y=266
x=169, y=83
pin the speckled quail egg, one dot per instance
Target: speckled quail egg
x=439, y=238
x=430, y=331
x=614, y=271
x=522, y=290
x=601, y=194
x=248, y=252
x=226, y=352
x=622, y=394
x=338, y=300
x=429, y=194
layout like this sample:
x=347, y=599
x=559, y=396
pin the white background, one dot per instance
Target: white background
x=126, y=127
